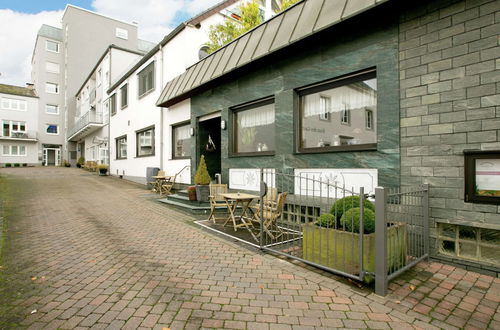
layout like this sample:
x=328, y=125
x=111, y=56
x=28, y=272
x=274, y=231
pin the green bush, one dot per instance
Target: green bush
x=202, y=177
x=346, y=203
x=350, y=220
x=25, y=164
x=8, y=165
x=17, y=165
x=81, y=160
x=326, y=220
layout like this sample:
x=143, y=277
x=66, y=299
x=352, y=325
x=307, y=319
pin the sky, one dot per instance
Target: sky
x=21, y=19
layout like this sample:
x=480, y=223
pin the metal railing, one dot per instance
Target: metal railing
x=91, y=117
x=29, y=135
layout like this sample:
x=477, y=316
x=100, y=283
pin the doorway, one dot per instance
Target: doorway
x=51, y=156
x=209, y=130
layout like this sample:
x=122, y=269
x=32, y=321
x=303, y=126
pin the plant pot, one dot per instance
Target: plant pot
x=202, y=192
x=103, y=171
x=191, y=193
x=338, y=249
x=78, y=165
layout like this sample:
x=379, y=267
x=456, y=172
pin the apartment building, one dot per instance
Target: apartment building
x=62, y=60
x=19, y=134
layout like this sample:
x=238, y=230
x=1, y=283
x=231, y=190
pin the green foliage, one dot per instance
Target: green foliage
x=287, y=3
x=81, y=160
x=349, y=202
x=17, y=165
x=350, y=220
x=102, y=167
x=202, y=177
x=221, y=34
x=326, y=220
x=8, y=165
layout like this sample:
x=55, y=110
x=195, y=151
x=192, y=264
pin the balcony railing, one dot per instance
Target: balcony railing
x=91, y=118
x=28, y=135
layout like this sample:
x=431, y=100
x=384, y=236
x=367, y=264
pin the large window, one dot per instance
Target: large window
x=147, y=79
x=52, y=88
x=181, y=141
x=13, y=150
x=121, y=147
x=52, y=129
x=13, y=128
x=146, y=142
x=253, y=128
x=52, y=46
x=339, y=114
x=112, y=104
x=482, y=176
x=52, y=109
x=14, y=104
x=124, y=96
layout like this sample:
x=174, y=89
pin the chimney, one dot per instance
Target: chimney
x=30, y=86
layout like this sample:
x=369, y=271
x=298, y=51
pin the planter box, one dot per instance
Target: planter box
x=202, y=192
x=338, y=249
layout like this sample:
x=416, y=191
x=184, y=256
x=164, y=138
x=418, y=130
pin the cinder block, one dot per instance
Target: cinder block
x=475, y=137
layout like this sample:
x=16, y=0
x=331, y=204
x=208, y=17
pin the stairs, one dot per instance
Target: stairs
x=181, y=200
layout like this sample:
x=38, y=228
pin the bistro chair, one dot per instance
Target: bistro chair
x=271, y=213
x=156, y=183
x=166, y=184
x=216, y=200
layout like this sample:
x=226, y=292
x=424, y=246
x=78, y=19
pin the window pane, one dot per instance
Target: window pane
x=6, y=150
x=124, y=96
x=22, y=150
x=13, y=150
x=52, y=129
x=254, y=129
x=52, y=46
x=112, y=101
x=182, y=141
x=146, y=79
x=488, y=177
x=51, y=88
x=6, y=128
x=145, y=143
x=340, y=116
x=121, y=148
x=53, y=109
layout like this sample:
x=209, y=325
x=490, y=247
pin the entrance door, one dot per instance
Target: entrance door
x=51, y=157
x=209, y=129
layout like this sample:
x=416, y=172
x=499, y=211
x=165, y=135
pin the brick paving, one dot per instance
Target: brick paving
x=96, y=252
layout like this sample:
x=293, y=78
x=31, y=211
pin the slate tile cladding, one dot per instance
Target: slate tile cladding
x=450, y=102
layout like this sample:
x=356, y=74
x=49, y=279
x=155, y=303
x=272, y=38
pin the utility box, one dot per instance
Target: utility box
x=150, y=173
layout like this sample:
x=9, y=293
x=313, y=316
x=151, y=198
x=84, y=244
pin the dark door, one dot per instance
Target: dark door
x=210, y=130
x=51, y=157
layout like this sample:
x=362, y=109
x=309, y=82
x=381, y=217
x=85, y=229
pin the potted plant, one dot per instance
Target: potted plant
x=191, y=193
x=333, y=240
x=65, y=163
x=103, y=169
x=80, y=162
x=202, y=180
x=8, y=165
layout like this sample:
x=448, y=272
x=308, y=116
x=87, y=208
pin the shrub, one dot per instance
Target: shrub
x=81, y=160
x=350, y=220
x=8, y=165
x=346, y=203
x=102, y=167
x=326, y=220
x=25, y=164
x=202, y=177
x=17, y=165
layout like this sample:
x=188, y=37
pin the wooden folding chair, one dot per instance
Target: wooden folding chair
x=167, y=184
x=271, y=213
x=216, y=200
x=156, y=183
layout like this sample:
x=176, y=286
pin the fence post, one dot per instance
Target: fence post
x=380, y=242
x=262, y=193
x=361, y=231
x=425, y=214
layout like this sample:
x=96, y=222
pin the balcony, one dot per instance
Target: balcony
x=92, y=97
x=87, y=124
x=28, y=136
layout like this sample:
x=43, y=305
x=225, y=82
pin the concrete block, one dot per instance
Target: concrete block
x=481, y=21
x=482, y=44
x=410, y=63
x=416, y=32
x=491, y=7
x=490, y=101
x=483, y=113
x=416, y=71
x=477, y=137
x=455, y=51
x=430, y=119
x=467, y=59
x=411, y=161
x=441, y=129
x=456, y=94
x=446, y=171
x=470, y=216
x=441, y=107
x=431, y=99
x=439, y=87
x=431, y=140
x=452, y=74
x=411, y=121
x=469, y=126
x=442, y=161
x=410, y=82
x=443, y=213
x=416, y=91
x=439, y=45
x=430, y=78
x=414, y=52
x=490, y=124
x=451, y=31
x=417, y=131
x=490, y=77
x=452, y=9
x=440, y=65
x=456, y=138
x=466, y=37
x=490, y=53
x=465, y=82
x=439, y=24
x=410, y=142
x=467, y=104
x=482, y=90
x=417, y=151
x=440, y=150
x=421, y=171
x=452, y=117
x=465, y=15
x=417, y=111
x=411, y=102
x=490, y=30
x=481, y=67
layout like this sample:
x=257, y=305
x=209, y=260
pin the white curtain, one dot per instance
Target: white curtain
x=182, y=133
x=257, y=117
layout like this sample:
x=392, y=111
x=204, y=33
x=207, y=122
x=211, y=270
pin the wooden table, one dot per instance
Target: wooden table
x=159, y=181
x=242, y=220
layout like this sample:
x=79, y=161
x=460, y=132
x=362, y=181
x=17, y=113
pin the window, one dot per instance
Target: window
x=124, y=96
x=482, y=176
x=112, y=104
x=369, y=119
x=99, y=77
x=471, y=243
x=52, y=109
x=52, y=88
x=146, y=142
x=52, y=129
x=339, y=114
x=12, y=128
x=52, y=46
x=146, y=79
x=14, y=150
x=14, y=104
x=203, y=52
x=181, y=141
x=52, y=67
x=253, y=128
x=121, y=33
x=121, y=147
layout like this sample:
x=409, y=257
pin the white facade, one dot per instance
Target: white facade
x=19, y=129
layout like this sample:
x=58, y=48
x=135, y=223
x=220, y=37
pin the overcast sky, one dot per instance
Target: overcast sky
x=21, y=19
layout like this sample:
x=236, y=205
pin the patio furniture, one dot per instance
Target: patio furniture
x=271, y=213
x=244, y=219
x=216, y=200
x=166, y=184
x=157, y=181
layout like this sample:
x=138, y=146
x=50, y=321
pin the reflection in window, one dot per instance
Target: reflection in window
x=145, y=142
x=52, y=129
x=254, y=128
x=181, y=141
x=339, y=113
x=121, y=147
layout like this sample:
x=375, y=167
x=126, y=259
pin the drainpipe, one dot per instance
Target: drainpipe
x=161, y=109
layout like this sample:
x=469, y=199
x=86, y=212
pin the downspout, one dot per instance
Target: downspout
x=109, y=115
x=161, y=109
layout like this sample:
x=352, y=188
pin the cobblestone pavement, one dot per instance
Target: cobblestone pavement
x=96, y=252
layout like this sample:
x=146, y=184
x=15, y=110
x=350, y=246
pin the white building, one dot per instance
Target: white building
x=19, y=118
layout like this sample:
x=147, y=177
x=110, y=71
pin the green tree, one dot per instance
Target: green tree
x=202, y=176
x=250, y=16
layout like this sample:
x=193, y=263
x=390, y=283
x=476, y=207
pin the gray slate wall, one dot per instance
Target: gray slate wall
x=450, y=101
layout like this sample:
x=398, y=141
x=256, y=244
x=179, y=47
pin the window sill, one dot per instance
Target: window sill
x=124, y=158
x=146, y=93
x=359, y=147
x=177, y=158
x=252, y=154
x=143, y=156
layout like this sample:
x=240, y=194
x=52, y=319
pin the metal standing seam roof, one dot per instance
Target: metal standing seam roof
x=17, y=90
x=296, y=23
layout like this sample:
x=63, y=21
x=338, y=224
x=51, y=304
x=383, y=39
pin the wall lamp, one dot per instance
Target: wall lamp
x=223, y=124
x=191, y=131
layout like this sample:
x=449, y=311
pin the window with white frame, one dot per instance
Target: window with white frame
x=52, y=67
x=146, y=142
x=13, y=128
x=14, y=104
x=121, y=147
x=121, y=33
x=181, y=141
x=146, y=79
x=52, y=109
x=368, y=119
x=52, y=129
x=13, y=150
x=52, y=46
x=52, y=88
